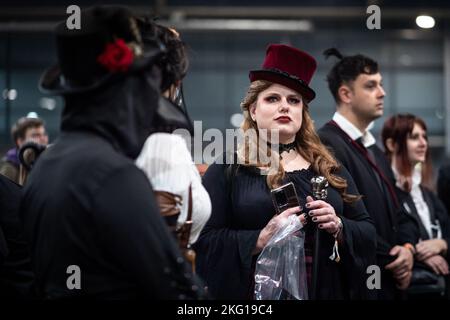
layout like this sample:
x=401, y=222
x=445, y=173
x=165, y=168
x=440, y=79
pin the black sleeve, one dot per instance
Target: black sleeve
x=360, y=242
x=221, y=248
x=3, y=247
x=9, y=201
x=407, y=228
x=444, y=221
x=443, y=185
x=383, y=247
x=134, y=233
x=16, y=276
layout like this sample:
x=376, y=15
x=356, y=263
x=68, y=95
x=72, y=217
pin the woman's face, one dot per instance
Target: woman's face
x=279, y=108
x=417, y=144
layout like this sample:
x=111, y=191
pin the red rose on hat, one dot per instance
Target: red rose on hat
x=117, y=56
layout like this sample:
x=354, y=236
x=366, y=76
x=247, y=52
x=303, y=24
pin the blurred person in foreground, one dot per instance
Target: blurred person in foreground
x=166, y=160
x=93, y=225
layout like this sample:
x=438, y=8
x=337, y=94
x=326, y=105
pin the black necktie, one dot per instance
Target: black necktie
x=360, y=142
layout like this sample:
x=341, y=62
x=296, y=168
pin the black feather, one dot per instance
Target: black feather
x=333, y=52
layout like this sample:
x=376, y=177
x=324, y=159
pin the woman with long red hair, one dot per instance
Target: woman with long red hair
x=406, y=145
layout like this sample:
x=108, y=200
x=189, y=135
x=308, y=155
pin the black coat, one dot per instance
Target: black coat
x=443, y=184
x=437, y=212
x=392, y=224
x=16, y=277
x=87, y=204
x=242, y=206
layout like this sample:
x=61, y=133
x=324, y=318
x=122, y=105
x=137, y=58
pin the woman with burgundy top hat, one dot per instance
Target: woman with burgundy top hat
x=93, y=226
x=243, y=217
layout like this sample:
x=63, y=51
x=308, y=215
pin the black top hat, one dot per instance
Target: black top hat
x=108, y=45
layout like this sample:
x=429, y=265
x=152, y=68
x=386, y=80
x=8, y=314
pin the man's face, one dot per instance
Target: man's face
x=36, y=134
x=366, y=97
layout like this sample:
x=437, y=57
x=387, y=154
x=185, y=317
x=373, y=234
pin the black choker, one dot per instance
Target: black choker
x=282, y=147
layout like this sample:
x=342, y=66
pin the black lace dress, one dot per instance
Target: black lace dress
x=241, y=208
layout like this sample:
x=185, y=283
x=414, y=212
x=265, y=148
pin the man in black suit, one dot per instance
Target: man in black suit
x=356, y=85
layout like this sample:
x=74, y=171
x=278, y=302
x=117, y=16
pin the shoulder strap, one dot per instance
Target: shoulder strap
x=189, y=213
x=184, y=231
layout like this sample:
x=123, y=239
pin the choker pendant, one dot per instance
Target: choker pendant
x=282, y=147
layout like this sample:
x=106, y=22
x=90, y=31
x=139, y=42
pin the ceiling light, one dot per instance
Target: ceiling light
x=425, y=22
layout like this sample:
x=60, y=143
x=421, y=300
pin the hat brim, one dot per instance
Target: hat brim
x=172, y=117
x=270, y=75
x=52, y=81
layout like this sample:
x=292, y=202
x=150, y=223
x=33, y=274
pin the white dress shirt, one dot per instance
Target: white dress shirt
x=167, y=162
x=419, y=202
x=353, y=132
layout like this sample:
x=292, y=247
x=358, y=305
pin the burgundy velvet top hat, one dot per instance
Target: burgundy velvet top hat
x=289, y=67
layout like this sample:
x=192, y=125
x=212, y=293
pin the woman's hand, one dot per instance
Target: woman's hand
x=438, y=264
x=324, y=215
x=428, y=248
x=274, y=225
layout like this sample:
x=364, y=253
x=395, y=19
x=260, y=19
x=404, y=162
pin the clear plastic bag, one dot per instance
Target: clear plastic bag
x=280, y=268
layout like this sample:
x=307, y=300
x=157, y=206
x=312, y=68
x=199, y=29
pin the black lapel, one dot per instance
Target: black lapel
x=391, y=207
x=429, y=202
x=410, y=208
x=358, y=154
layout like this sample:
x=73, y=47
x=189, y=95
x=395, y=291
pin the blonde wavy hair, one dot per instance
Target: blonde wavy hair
x=308, y=142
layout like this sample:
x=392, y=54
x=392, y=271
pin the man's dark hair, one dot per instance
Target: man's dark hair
x=19, y=129
x=347, y=69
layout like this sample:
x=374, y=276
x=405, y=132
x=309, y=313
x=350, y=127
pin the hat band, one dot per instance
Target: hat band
x=284, y=73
